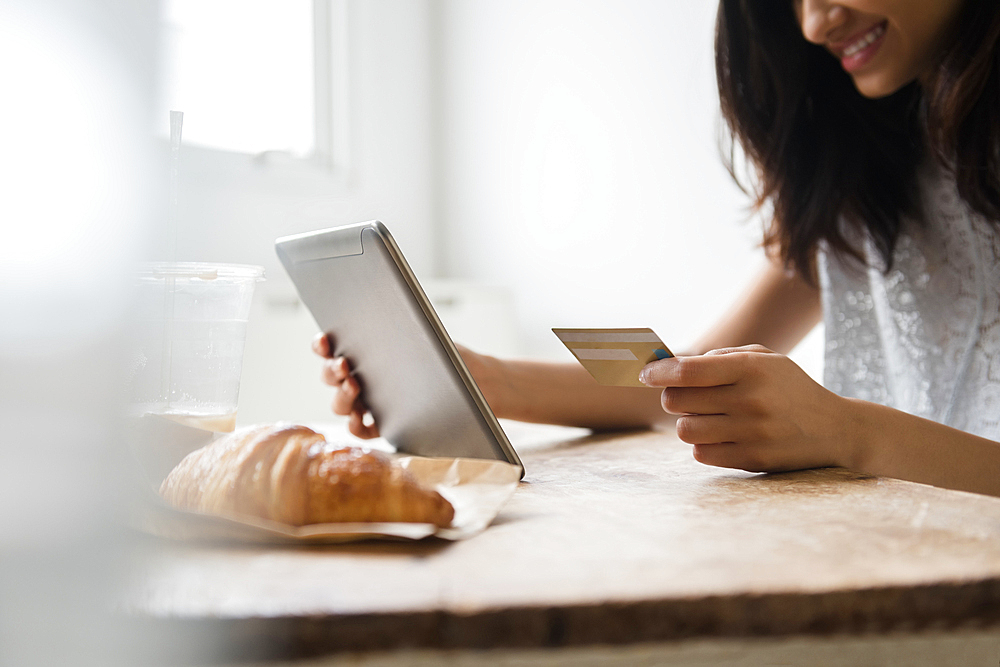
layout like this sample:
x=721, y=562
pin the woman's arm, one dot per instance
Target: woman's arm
x=777, y=310
x=753, y=409
x=561, y=393
x=891, y=443
x=531, y=391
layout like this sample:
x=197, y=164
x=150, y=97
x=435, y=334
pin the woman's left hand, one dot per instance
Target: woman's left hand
x=751, y=408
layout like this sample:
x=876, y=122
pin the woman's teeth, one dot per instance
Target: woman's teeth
x=865, y=40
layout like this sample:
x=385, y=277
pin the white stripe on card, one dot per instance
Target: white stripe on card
x=579, y=337
x=615, y=354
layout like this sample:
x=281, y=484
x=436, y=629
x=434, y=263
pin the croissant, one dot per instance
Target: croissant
x=292, y=475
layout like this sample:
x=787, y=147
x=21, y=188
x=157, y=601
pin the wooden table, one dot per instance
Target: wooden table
x=611, y=539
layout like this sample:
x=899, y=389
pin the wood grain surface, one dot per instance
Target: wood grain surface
x=610, y=539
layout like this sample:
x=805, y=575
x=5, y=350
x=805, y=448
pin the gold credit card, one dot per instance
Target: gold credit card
x=614, y=356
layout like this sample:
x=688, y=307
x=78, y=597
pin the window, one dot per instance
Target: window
x=258, y=76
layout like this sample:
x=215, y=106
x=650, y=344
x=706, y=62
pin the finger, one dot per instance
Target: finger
x=721, y=454
x=702, y=371
x=370, y=425
x=357, y=426
x=745, y=348
x=322, y=345
x=347, y=397
x=705, y=429
x=732, y=455
x=335, y=371
x=699, y=400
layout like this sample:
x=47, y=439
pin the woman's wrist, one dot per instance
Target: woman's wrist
x=559, y=393
x=488, y=373
x=856, y=434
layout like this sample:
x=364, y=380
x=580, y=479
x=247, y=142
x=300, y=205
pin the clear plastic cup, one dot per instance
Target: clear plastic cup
x=191, y=323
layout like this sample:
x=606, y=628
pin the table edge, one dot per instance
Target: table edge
x=937, y=606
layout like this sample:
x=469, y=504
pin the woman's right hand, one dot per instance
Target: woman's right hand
x=347, y=398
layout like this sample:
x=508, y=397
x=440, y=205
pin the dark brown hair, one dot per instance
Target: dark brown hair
x=823, y=153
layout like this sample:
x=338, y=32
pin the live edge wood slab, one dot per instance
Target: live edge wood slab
x=610, y=539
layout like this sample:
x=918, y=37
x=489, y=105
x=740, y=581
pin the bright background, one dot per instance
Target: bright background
x=541, y=163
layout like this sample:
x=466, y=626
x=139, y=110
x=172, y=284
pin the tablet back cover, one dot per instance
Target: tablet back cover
x=349, y=279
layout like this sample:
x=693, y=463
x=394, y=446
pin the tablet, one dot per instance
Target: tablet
x=361, y=292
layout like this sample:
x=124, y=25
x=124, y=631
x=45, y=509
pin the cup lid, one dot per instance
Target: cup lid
x=202, y=270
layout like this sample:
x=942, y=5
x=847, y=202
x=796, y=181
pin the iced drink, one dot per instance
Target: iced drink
x=191, y=321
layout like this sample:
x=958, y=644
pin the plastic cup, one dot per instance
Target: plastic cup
x=191, y=323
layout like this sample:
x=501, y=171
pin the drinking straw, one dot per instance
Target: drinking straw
x=173, y=206
x=176, y=127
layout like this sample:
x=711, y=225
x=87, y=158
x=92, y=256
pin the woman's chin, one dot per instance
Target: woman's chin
x=874, y=85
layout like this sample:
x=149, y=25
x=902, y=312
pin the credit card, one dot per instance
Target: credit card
x=614, y=356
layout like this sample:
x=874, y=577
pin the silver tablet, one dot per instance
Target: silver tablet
x=362, y=292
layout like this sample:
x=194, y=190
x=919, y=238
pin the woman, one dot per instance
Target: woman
x=873, y=127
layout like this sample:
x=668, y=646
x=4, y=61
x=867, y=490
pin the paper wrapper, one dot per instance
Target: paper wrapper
x=476, y=488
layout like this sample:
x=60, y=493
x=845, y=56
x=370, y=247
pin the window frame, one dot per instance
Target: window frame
x=330, y=155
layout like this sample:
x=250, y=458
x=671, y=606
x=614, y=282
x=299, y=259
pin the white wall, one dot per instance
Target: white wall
x=582, y=168
x=560, y=154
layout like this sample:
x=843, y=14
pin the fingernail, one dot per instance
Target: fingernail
x=644, y=376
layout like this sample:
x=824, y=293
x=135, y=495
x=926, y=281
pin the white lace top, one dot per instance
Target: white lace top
x=924, y=338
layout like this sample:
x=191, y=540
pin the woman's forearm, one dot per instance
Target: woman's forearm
x=564, y=394
x=891, y=443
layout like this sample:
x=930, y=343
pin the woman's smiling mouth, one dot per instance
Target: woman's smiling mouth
x=857, y=51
